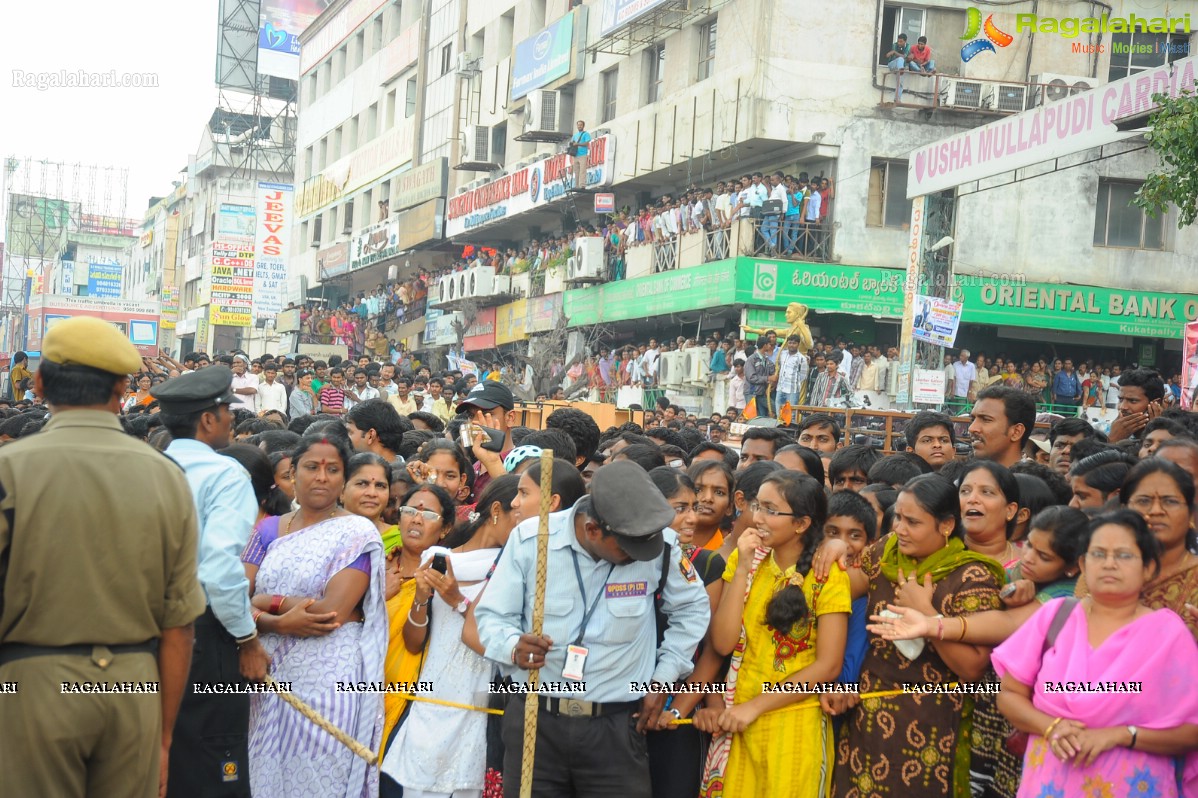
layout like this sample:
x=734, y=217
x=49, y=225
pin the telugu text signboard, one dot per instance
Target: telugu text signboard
x=104, y=279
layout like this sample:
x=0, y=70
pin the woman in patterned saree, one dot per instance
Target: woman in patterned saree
x=1104, y=743
x=914, y=744
x=323, y=567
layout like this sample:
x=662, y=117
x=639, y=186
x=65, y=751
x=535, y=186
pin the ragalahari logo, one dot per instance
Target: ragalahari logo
x=990, y=35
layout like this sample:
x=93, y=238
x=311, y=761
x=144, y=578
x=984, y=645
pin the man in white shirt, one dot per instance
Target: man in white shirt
x=773, y=221
x=649, y=362
x=387, y=386
x=245, y=385
x=272, y=394
x=792, y=373
x=965, y=376
x=360, y=391
x=811, y=225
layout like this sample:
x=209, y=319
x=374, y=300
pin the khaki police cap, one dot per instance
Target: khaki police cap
x=88, y=341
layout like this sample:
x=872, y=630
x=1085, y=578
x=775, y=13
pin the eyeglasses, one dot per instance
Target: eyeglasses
x=1121, y=557
x=770, y=511
x=1168, y=503
x=682, y=508
x=427, y=515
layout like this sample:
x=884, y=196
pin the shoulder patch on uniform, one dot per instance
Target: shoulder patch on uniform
x=688, y=569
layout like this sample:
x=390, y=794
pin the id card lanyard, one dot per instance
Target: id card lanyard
x=576, y=653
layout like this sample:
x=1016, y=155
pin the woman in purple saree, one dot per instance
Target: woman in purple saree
x=1110, y=707
x=317, y=580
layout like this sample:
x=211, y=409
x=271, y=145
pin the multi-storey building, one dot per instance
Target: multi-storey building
x=679, y=94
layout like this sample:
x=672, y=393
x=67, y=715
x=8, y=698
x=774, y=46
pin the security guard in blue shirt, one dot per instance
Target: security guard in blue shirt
x=210, y=755
x=608, y=557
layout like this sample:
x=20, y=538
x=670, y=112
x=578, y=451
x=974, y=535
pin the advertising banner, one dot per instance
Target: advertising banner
x=67, y=278
x=527, y=188
x=419, y=225
x=104, y=279
x=1189, y=365
x=376, y=243
x=271, y=247
x=421, y=183
x=170, y=307
x=709, y=285
x=618, y=13
x=231, y=277
x=541, y=59
x=235, y=222
x=280, y=24
x=139, y=321
x=936, y=320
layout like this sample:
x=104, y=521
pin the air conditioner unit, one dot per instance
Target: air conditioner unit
x=669, y=369
x=961, y=94
x=587, y=261
x=445, y=289
x=478, y=145
x=544, y=112
x=696, y=365
x=479, y=281
x=1009, y=97
x=467, y=67
x=1051, y=87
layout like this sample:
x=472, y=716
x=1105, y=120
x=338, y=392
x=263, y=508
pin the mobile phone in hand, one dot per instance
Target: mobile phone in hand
x=439, y=563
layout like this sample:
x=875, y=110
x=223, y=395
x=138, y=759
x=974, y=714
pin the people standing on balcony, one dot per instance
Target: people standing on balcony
x=811, y=225
x=896, y=62
x=579, y=150
x=825, y=203
x=920, y=57
x=792, y=217
x=779, y=201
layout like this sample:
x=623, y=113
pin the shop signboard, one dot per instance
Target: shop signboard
x=541, y=59
x=828, y=287
x=481, y=332
x=271, y=247
x=421, y=183
x=706, y=286
x=618, y=13
x=929, y=387
x=510, y=320
x=332, y=261
x=170, y=307
x=422, y=224
x=139, y=321
x=231, y=282
x=530, y=187
x=104, y=279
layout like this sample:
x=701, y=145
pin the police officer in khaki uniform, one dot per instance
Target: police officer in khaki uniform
x=98, y=587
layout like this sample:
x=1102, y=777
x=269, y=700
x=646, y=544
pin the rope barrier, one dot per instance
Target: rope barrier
x=324, y=723
x=806, y=704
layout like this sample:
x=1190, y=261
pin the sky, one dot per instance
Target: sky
x=151, y=131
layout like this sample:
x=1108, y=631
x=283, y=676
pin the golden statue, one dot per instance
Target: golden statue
x=796, y=317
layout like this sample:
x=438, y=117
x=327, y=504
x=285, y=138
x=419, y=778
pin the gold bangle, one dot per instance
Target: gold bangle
x=964, y=628
x=1051, y=726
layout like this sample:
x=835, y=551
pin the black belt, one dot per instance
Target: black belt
x=11, y=652
x=573, y=708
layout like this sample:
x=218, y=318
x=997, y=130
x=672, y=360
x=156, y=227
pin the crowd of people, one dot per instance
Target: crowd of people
x=361, y=322
x=793, y=614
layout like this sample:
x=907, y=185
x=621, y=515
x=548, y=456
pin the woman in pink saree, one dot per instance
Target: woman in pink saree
x=1126, y=734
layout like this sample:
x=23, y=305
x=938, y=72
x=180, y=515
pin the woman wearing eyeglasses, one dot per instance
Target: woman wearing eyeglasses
x=1090, y=739
x=439, y=750
x=782, y=626
x=1163, y=494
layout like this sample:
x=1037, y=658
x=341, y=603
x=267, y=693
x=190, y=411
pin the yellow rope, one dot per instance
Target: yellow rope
x=807, y=704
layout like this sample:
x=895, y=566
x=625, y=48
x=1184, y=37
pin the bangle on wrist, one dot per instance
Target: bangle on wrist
x=415, y=622
x=964, y=628
x=276, y=604
x=939, y=627
x=256, y=615
x=1051, y=726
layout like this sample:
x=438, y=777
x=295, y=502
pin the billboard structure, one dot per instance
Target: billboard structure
x=280, y=23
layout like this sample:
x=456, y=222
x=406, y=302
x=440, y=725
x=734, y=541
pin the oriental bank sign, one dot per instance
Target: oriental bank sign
x=534, y=186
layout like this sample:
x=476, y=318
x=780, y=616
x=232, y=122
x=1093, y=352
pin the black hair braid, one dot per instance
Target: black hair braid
x=789, y=605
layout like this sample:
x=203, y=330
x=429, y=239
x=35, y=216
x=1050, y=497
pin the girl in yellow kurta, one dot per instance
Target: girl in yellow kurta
x=781, y=625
